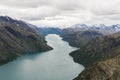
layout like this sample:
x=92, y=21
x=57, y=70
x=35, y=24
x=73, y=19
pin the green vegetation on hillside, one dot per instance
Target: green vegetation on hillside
x=101, y=57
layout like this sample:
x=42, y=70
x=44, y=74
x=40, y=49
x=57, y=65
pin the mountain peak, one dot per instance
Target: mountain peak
x=6, y=19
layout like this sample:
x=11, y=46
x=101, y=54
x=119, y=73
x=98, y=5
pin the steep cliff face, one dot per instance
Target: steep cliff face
x=17, y=38
x=101, y=57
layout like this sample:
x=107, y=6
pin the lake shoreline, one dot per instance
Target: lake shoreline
x=55, y=64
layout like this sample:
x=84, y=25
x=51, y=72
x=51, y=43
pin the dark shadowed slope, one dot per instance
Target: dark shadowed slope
x=17, y=38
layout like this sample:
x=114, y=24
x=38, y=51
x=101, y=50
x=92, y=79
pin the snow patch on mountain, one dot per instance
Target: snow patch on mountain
x=98, y=27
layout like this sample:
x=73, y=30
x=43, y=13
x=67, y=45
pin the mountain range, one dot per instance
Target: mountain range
x=80, y=34
x=104, y=29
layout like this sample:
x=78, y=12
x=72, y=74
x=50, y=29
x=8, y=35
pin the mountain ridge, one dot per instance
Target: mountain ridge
x=106, y=30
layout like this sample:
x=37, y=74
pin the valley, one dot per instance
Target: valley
x=95, y=48
x=59, y=39
x=99, y=53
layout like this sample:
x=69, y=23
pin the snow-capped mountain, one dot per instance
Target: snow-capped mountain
x=100, y=28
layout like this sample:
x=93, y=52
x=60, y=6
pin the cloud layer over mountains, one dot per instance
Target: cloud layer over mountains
x=63, y=12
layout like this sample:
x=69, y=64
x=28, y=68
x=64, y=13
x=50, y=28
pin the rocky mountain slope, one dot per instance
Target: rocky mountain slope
x=17, y=38
x=101, y=57
x=79, y=38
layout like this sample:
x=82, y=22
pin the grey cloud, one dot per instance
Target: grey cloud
x=62, y=11
x=107, y=7
x=23, y=3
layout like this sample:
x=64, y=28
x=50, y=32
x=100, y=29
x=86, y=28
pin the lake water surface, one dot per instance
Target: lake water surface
x=52, y=65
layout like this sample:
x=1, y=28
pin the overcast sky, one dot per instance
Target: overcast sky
x=62, y=12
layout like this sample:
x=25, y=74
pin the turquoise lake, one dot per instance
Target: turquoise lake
x=51, y=65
